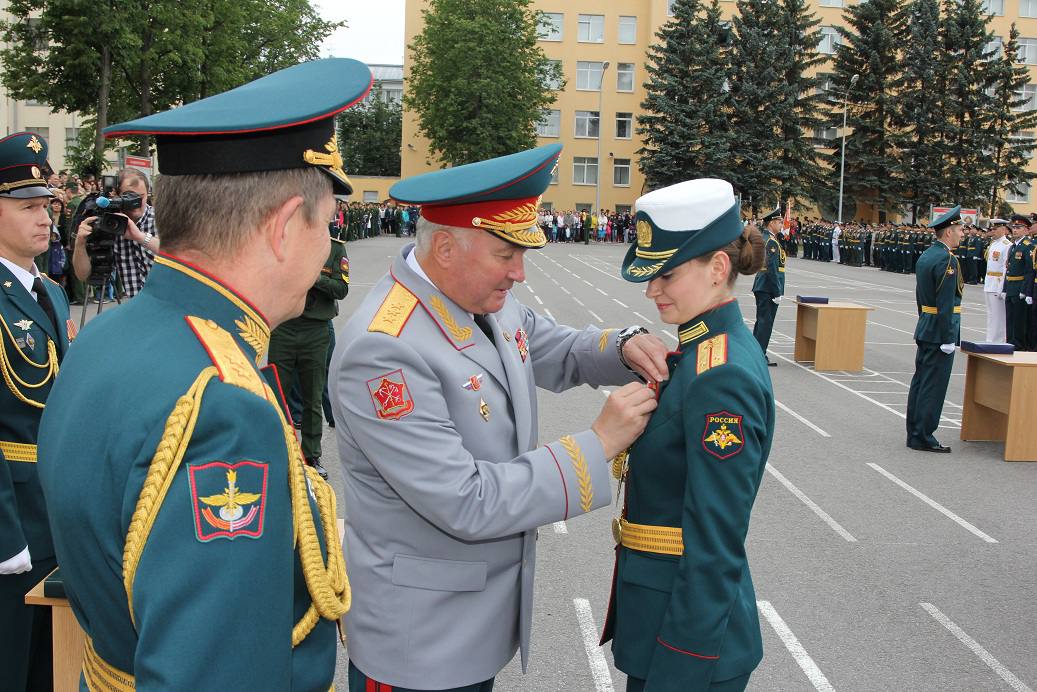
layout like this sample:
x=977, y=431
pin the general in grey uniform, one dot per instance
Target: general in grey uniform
x=434, y=392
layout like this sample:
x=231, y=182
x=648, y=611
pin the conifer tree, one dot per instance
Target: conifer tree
x=919, y=114
x=1010, y=155
x=871, y=37
x=685, y=113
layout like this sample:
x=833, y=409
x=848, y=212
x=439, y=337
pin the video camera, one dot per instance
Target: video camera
x=109, y=224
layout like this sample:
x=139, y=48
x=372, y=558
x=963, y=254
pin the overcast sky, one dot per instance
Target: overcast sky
x=374, y=34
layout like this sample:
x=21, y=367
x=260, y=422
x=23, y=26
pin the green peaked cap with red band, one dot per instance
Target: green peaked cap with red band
x=282, y=121
x=500, y=196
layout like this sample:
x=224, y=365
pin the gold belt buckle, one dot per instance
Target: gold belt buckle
x=617, y=530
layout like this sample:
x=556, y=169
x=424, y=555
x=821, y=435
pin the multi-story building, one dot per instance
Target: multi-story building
x=603, y=46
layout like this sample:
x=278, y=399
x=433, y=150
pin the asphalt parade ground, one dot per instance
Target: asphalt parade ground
x=876, y=567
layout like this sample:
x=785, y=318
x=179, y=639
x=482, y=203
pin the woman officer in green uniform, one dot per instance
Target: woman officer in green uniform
x=683, y=611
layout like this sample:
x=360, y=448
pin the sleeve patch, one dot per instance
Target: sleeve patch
x=389, y=393
x=229, y=500
x=723, y=436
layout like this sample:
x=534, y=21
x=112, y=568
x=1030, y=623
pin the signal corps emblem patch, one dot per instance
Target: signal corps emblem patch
x=723, y=436
x=389, y=393
x=229, y=500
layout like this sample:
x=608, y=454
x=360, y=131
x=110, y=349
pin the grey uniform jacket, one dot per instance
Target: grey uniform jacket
x=444, y=483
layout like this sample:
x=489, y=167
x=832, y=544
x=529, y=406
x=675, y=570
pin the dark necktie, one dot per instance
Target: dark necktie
x=484, y=324
x=44, y=300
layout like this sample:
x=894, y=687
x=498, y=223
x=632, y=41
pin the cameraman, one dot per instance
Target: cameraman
x=135, y=251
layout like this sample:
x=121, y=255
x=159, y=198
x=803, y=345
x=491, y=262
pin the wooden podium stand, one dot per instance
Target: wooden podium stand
x=1001, y=402
x=831, y=335
x=68, y=639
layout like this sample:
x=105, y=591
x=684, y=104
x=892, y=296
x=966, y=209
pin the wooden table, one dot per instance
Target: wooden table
x=1001, y=402
x=831, y=335
x=68, y=639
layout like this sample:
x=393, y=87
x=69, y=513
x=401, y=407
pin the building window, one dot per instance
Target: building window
x=994, y=7
x=550, y=28
x=1027, y=53
x=551, y=124
x=826, y=133
x=830, y=3
x=625, y=76
x=622, y=208
x=370, y=196
x=588, y=76
x=829, y=40
x=628, y=30
x=585, y=171
x=669, y=8
x=41, y=131
x=1018, y=194
x=1028, y=8
x=554, y=173
x=587, y=124
x=624, y=125
x=71, y=138
x=552, y=83
x=621, y=173
x=548, y=206
x=1028, y=94
x=992, y=50
x=591, y=28
x=1023, y=138
x=826, y=85
x=583, y=206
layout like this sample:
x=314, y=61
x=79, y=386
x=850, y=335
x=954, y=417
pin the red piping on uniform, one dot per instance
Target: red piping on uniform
x=565, y=490
x=370, y=686
x=124, y=133
x=236, y=292
x=687, y=653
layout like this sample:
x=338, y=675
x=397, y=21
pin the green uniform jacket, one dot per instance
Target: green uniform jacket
x=26, y=336
x=771, y=279
x=938, y=288
x=218, y=587
x=1019, y=268
x=682, y=622
x=332, y=286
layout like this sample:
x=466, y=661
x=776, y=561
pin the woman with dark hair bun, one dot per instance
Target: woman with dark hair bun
x=683, y=611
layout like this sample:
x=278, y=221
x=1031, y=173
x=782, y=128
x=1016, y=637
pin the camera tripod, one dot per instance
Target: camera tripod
x=101, y=288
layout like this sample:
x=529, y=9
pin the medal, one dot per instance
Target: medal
x=484, y=410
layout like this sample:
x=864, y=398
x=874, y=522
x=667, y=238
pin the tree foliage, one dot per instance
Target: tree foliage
x=478, y=81
x=117, y=60
x=369, y=137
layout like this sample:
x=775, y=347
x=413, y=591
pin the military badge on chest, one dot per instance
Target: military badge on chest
x=522, y=342
x=392, y=399
x=25, y=341
x=229, y=500
x=723, y=436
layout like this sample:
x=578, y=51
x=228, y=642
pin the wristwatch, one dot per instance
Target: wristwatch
x=625, y=336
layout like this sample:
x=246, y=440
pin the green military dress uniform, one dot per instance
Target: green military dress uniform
x=683, y=616
x=32, y=346
x=939, y=284
x=768, y=285
x=1019, y=274
x=299, y=347
x=197, y=550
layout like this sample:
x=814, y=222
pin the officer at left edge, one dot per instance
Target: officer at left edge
x=35, y=332
x=769, y=285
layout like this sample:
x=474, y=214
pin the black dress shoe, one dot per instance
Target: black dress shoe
x=771, y=363
x=938, y=448
x=323, y=472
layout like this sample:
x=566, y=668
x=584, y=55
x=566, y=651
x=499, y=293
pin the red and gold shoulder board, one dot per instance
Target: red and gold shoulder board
x=394, y=312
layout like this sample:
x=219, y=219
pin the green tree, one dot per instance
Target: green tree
x=479, y=81
x=920, y=111
x=369, y=137
x=685, y=113
x=872, y=34
x=1011, y=154
x=120, y=60
x=967, y=127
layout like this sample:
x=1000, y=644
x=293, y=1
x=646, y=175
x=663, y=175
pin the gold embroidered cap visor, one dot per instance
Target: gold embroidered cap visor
x=659, y=250
x=500, y=196
x=283, y=121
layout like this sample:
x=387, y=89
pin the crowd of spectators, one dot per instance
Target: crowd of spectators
x=571, y=226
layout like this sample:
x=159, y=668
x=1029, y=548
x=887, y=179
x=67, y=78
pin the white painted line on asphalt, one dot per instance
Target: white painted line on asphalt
x=548, y=313
x=595, y=316
x=587, y=282
x=601, y=291
x=579, y=302
x=934, y=504
x=801, y=419
x=566, y=290
x=823, y=515
x=599, y=667
x=620, y=304
x=670, y=335
x=598, y=269
x=813, y=673
x=538, y=299
x=560, y=527
x=974, y=646
x=637, y=314
x=576, y=275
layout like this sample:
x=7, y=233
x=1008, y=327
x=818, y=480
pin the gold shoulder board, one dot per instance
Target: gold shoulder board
x=234, y=366
x=394, y=312
x=712, y=353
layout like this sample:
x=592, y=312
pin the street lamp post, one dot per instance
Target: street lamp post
x=597, y=179
x=842, y=159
